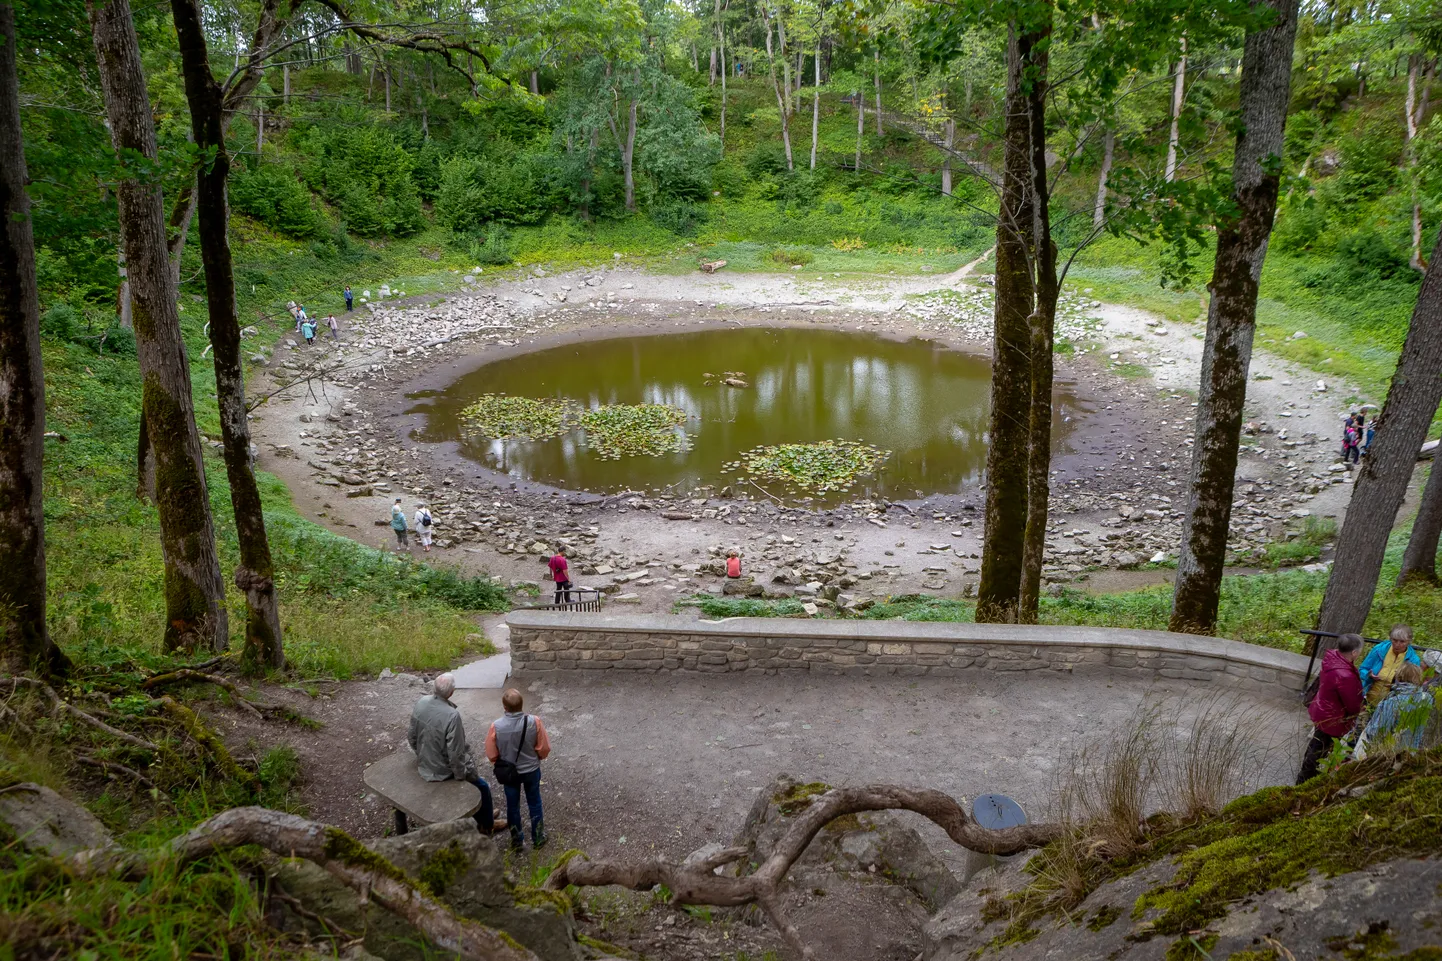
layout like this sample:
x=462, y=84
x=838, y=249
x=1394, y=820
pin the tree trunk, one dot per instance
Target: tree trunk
x=1382, y=482
x=948, y=143
x=194, y=592
x=1419, y=561
x=1109, y=145
x=860, y=126
x=712, y=81
x=25, y=643
x=256, y=573
x=1007, y=480
x=816, y=104
x=285, y=84
x=785, y=63
x=721, y=42
x=1178, y=89
x=260, y=126
x=876, y=55
x=536, y=82
x=1042, y=323
x=1415, y=115
x=780, y=95
x=1231, y=319
x=628, y=154
x=387, y=71
x=122, y=293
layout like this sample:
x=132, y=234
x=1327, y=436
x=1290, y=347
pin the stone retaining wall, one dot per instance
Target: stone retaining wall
x=558, y=641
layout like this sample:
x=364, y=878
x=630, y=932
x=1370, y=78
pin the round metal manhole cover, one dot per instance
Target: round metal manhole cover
x=997, y=811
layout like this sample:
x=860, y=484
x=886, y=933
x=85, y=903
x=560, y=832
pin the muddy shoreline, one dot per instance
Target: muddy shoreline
x=348, y=450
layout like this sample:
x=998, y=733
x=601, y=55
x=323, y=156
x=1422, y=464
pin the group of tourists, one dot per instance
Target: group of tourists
x=516, y=744
x=1357, y=437
x=1367, y=699
x=306, y=326
x=424, y=526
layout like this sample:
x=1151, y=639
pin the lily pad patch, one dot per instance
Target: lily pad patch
x=635, y=429
x=823, y=466
x=502, y=416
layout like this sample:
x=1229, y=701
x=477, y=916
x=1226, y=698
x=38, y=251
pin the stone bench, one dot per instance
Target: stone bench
x=395, y=778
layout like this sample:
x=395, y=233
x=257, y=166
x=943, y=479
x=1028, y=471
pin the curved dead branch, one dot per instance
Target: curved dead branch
x=58, y=703
x=288, y=836
x=699, y=884
x=186, y=674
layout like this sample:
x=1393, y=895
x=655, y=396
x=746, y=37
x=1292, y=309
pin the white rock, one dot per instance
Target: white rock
x=1158, y=558
x=1300, y=335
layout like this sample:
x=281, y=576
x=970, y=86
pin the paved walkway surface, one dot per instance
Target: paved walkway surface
x=667, y=763
x=489, y=673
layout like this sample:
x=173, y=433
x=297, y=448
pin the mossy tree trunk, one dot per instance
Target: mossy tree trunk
x=194, y=592
x=1382, y=482
x=256, y=573
x=25, y=644
x=1042, y=324
x=1419, y=561
x=1019, y=221
x=1265, y=90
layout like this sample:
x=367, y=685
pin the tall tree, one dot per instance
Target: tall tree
x=1265, y=88
x=1007, y=478
x=1419, y=561
x=1179, y=86
x=25, y=643
x=1383, y=479
x=255, y=574
x=782, y=97
x=194, y=592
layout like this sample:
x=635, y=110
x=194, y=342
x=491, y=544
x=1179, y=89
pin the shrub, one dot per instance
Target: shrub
x=367, y=175
x=1369, y=157
x=61, y=322
x=790, y=257
x=679, y=216
x=492, y=248
x=768, y=159
x=272, y=195
x=475, y=191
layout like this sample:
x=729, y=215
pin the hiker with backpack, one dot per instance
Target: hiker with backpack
x=1335, y=706
x=1351, y=441
x=516, y=745
x=423, y=526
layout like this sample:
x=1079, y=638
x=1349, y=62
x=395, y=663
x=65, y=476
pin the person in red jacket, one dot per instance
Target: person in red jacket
x=1337, y=703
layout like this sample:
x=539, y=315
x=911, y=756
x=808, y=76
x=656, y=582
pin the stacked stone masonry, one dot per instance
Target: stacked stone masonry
x=559, y=641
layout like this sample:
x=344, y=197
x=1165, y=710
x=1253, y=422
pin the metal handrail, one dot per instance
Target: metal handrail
x=1316, y=648
x=586, y=599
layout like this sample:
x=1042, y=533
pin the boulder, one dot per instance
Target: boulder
x=46, y=823
x=463, y=868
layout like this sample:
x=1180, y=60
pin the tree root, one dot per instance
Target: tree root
x=112, y=768
x=359, y=868
x=207, y=739
x=335, y=930
x=699, y=884
x=58, y=703
x=187, y=674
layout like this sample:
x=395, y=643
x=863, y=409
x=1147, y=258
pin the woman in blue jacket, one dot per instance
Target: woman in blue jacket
x=1380, y=666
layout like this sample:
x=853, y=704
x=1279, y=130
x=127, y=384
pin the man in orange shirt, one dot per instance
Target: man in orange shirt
x=516, y=745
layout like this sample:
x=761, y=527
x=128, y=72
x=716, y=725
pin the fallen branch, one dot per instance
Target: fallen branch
x=346, y=859
x=113, y=768
x=58, y=703
x=186, y=674
x=335, y=930
x=698, y=884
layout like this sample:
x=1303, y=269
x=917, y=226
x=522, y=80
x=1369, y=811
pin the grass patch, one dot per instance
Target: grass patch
x=1315, y=534
x=717, y=608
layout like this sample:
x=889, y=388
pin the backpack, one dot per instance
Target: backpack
x=506, y=773
x=425, y=518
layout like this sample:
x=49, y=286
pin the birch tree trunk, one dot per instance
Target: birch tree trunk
x=1109, y=145
x=785, y=62
x=628, y=152
x=876, y=60
x=1042, y=324
x=860, y=126
x=816, y=104
x=25, y=643
x=998, y=596
x=194, y=592
x=1179, y=85
x=1416, y=113
x=1382, y=482
x=721, y=38
x=780, y=95
x=1231, y=318
x=949, y=142
x=1419, y=561
x=256, y=573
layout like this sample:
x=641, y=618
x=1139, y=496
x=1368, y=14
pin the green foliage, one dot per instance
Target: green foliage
x=791, y=258
x=274, y=196
x=1306, y=546
x=717, y=608
x=366, y=173
x=477, y=190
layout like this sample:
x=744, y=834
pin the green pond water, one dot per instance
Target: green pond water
x=925, y=403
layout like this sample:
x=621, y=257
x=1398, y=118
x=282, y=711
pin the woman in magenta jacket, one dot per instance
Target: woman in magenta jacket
x=1337, y=703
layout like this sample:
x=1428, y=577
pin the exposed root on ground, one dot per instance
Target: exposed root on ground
x=699, y=884
x=373, y=877
x=59, y=704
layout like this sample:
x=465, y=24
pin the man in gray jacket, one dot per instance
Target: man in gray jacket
x=438, y=737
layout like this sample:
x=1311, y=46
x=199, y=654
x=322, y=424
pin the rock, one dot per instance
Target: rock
x=741, y=587
x=1126, y=560
x=463, y=868
x=811, y=609
x=627, y=599
x=704, y=852
x=1159, y=557
x=46, y=823
x=1300, y=335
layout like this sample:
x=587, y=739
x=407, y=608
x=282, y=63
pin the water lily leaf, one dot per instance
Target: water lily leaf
x=828, y=465
x=635, y=429
x=502, y=416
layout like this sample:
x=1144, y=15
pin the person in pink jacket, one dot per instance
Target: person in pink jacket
x=1337, y=703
